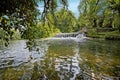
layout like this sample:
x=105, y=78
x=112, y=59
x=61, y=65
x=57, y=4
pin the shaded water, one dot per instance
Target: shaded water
x=61, y=59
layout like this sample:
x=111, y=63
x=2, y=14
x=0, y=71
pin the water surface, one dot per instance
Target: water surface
x=61, y=59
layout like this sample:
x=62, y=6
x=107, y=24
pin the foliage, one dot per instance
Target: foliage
x=66, y=20
x=90, y=10
x=46, y=30
x=99, y=13
x=17, y=15
x=22, y=16
x=93, y=33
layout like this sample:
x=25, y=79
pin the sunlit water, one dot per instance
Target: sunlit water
x=61, y=59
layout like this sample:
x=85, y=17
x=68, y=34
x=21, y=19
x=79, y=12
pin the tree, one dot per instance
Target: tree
x=19, y=15
x=22, y=15
x=99, y=13
x=114, y=6
x=91, y=10
x=66, y=20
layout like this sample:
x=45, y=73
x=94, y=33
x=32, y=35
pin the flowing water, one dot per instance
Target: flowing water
x=61, y=59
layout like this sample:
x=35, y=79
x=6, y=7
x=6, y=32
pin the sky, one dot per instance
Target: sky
x=73, y=6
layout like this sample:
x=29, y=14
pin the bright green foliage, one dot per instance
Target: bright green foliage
x=66, y=21
x=99, y=13
x=21, y=15
x=46, y=30
x=90, y=10
x=115, y=7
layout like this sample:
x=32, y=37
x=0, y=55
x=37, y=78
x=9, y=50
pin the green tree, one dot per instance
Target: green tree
x=91, y=10
x=66, y=20
x=19, y=15
x=114, y=6
x=22, y=15
x=99, y=13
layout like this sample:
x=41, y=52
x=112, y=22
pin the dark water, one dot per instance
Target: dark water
x=63, y=59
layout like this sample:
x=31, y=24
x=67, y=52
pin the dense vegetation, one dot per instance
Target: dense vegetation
x=17, y=16
x=99, y=15
x=22, y=17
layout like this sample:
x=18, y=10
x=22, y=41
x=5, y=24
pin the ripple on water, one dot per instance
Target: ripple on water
x=57, y=59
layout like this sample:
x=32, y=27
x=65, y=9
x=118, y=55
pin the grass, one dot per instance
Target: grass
x=103, y=35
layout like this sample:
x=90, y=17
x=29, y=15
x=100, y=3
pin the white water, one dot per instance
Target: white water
x=78, y=38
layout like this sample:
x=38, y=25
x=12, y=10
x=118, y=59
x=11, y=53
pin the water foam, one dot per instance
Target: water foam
x=78, y=38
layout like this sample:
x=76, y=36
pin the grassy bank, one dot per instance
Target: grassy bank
x=108, y=35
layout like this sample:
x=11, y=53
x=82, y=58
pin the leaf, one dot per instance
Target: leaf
x=5, y=17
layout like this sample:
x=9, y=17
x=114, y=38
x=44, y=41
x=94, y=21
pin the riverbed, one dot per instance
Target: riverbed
x=61, y=59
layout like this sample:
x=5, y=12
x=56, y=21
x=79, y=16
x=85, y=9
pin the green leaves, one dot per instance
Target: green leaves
x=66, y=20
x=99, y=13
x=16, y=15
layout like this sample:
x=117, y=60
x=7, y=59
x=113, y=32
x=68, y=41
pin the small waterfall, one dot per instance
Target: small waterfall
x=78, y=37
x=82, y=35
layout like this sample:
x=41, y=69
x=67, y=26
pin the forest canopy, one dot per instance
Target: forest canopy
x=23, y=16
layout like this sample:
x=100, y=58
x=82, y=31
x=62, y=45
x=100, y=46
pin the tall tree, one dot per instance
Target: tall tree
x=66, y=20
x=22, y=14
x=94, y=12
x=114, y=6
x=18, y=15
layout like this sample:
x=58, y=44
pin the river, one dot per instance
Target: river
x=61, y=59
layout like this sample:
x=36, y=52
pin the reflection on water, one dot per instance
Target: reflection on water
x=65, y=59
x=61, y=59
x=102, y=58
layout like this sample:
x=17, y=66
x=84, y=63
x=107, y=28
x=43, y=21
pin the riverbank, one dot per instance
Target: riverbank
x=107, y=35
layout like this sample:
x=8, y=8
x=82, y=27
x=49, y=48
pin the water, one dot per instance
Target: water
x=66, y=36
x=61, y=59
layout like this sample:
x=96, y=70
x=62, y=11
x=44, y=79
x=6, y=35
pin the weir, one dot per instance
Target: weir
x=74, y=34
